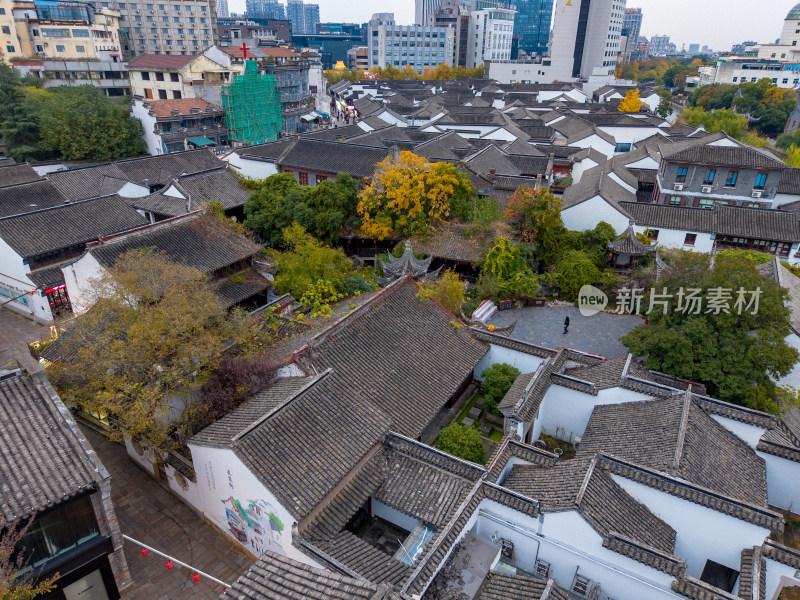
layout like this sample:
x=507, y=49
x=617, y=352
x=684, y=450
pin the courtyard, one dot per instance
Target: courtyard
x=598, y=334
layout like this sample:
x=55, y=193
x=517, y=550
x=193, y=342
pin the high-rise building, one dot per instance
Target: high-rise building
x=265, y=9
x=494, y=30
x=694, y=48
x=632, y=22
x=417, y=46
x=586, y=38
x=222, y=9
x=532, y=25
x=310, y=18
x=296, y=14
x=452, y=13
x=424, y=9
x=660, y=45
x=165, y=27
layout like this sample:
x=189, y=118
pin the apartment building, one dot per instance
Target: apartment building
x=416, y=46
x=161, y=77
x=491, y=31
x=180, y=27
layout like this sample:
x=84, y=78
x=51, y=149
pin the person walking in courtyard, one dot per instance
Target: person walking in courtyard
x=566, y=325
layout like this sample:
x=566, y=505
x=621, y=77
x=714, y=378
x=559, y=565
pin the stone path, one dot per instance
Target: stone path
x=150, y=514
x=16, y=332
x=598, y=334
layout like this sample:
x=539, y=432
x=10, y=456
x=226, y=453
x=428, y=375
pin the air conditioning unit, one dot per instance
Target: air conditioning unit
x=138, y=11
x=178, y=12
x=757, y=193
x=706, y=189
x=151, y=12
x=679, y=187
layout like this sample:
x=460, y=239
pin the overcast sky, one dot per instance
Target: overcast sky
x=717, y=23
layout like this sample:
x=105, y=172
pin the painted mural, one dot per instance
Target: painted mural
x=254, y=524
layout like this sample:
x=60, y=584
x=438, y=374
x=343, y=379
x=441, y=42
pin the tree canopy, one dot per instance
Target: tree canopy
x=507, y=273
x=324, y=210
x=146, y=346
x=462, y=441
x=737, y=356
x=497, y=380
x=537, y=214
x=631, y=103
x=727, y=120
x=441, y=72
x=407, y=195
x=447, y=290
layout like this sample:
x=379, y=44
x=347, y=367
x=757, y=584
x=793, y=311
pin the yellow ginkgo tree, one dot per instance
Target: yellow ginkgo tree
x=631, y=103
x=408, y=194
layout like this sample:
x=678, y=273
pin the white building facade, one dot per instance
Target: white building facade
x=416, y=46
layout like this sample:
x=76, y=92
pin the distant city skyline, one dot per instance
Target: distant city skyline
x=685, y=21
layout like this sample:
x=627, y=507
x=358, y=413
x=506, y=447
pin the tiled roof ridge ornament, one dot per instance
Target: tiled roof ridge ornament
x=407, y=264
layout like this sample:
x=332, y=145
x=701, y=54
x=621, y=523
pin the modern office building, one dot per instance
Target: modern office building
x=180, y=27
x=586, y=38
x=332, y=47
x=632, y=25
x=418, y=46
x=452, y=13
x=423, y=9
x=265, y=9
x=493, y=29
x=532, y=25
x=310, y=18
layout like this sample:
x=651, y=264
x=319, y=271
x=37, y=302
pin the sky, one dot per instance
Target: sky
x=716, y=23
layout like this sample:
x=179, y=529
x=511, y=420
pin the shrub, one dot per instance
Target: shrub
x=355, y=285
x=448, y=291
x=497, y=380
x=463, y=442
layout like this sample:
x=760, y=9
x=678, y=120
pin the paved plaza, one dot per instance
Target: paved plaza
x=150, y=514
x=598, y=334
x=16, y=332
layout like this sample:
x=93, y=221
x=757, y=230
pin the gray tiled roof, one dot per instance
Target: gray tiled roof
x=368, y=561
x=221, y=434
x=765, y=224
x=42, y=462
x=277, y=577
x=15, y=174
x=594, y=182
x=267, y=152
x=331, y=157
x=675, y=435
x=500, y=586
x=322, y=433
x=450, y=243
x=17, y=199
x=400, y=355
x=67, y=225
x=219, y=185
x=726, y=156
x=790, y=182
x=88, y=182
x=160, y=170
x=198, y=241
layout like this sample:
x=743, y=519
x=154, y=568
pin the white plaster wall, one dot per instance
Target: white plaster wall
x=14, y=277
x=674, y=238
x=702, y=533
x=622, y=183
x=567, y=542
x=588, y=214
x=254, y=169
x=580, y=167
x=144, y=460
x=594, y=141
x=132, y=190
x=644, y=163
x=629, y=135
x=391, y=119
x=379, y=509
x=793, y=378
x=526, y=363
x=500, y=134
x=153, y=141
x=783, y=482
x=222, y=479
x=190, y=495
x=79, y=278
x=781, y=199
x=780, y=575
x=564, y=413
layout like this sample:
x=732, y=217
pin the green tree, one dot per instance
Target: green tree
x=82, y=123
x=664, y=108
x=497, y=380
x=307, y=261
x=793, y=156
x=507, y=274
x=537, y=214
x=448, y=291
x=738, y=357
x=463, y=442
x=146, y=346
x=19, y=125
x=574, y=270
x=788, y=139
x=726, y=120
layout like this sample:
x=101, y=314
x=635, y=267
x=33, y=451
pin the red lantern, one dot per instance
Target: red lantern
x=196, y=577
x=145, y=551
x=168, y=564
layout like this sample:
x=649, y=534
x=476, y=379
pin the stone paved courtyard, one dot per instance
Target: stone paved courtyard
x=598, y=334
x=150, y=514
x=16, y=332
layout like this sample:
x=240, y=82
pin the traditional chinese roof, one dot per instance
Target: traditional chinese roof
x=500, y=586
x=628, y=244
x=406, y=264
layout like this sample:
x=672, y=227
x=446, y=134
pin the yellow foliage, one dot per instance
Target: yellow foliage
x=631, y=103
x=793, y=157
x=408, y=194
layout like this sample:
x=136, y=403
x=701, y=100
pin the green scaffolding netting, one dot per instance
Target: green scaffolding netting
x=252, y=104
